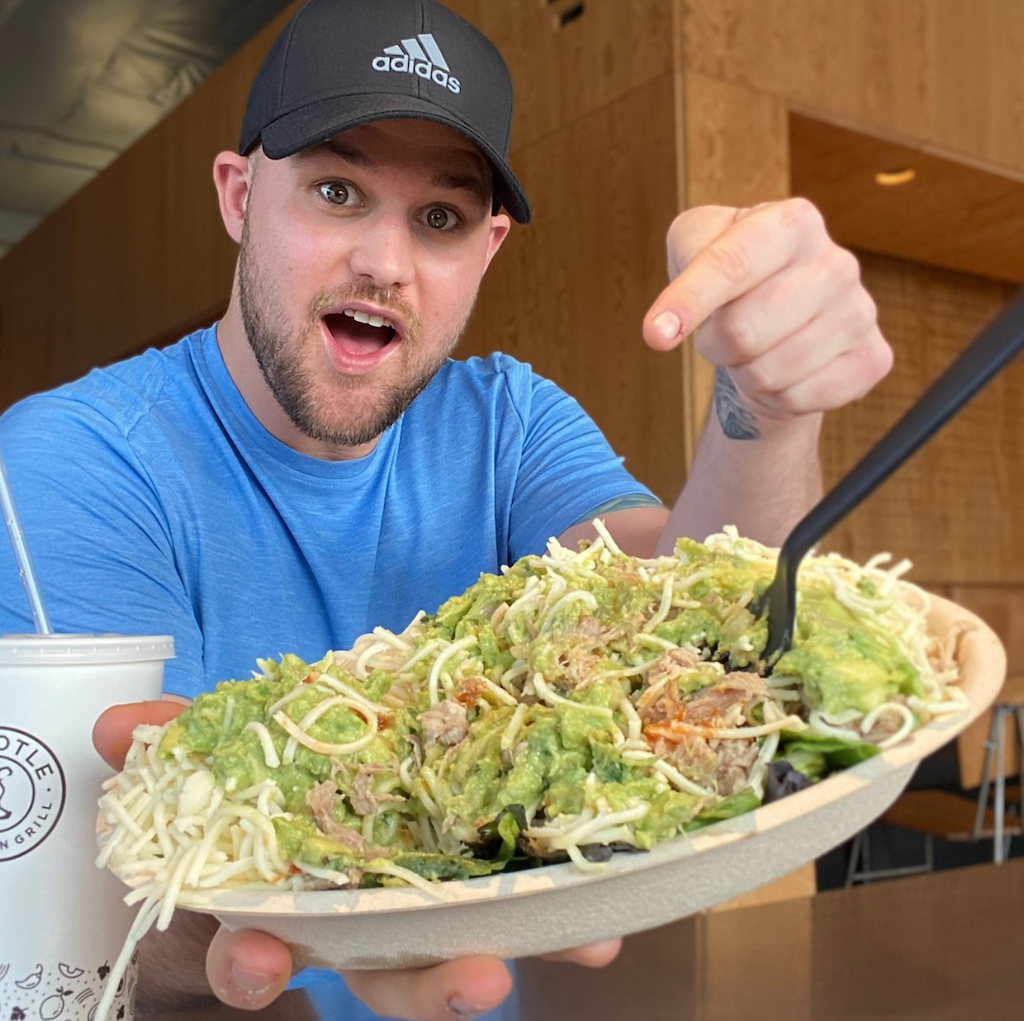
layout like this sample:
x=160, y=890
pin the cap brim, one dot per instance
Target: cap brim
x=317, y=122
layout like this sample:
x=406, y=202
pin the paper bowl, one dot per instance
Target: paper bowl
x=557, y=906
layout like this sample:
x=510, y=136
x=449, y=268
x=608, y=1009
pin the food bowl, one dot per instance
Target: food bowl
x=558, y=906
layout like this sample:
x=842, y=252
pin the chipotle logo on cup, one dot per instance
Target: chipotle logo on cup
x=32, y=792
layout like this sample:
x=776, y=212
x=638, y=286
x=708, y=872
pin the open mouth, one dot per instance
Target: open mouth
x=359, y=334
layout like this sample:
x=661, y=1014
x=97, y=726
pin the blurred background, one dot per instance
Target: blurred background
x=903, y=120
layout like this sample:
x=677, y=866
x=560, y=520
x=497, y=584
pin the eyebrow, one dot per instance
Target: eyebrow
x=476, y=184
x=338, y=148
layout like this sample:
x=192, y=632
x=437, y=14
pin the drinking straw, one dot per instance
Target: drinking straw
x=21, y=554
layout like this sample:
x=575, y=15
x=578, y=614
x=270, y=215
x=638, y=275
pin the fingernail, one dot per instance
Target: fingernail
x=461, y=1009
x=667, y=326
x=252, y=983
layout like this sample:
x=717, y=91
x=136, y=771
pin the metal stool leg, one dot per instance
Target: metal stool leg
x=995, y=749
x=998, y=847
x=986, y=773
x=851, y=865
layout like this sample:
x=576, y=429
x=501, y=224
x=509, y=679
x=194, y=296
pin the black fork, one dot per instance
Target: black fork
x=988, y=354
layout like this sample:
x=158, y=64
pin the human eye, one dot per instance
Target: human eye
x=441, y=218
x=338, y=193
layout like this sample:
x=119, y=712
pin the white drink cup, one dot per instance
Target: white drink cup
x=62, y=920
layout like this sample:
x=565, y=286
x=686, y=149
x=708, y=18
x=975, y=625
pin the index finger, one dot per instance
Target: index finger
x=112, y=732
x=753, y=247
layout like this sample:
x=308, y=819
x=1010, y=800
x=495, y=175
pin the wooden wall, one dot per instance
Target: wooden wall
x=944, y=73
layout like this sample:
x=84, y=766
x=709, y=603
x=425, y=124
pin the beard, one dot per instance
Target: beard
x=346, y=411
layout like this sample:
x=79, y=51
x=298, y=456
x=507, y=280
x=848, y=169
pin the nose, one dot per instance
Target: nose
x=383, y=251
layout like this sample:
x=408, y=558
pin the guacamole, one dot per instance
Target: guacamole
x=575, y=704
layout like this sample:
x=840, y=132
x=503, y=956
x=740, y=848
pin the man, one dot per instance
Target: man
x=315, y=464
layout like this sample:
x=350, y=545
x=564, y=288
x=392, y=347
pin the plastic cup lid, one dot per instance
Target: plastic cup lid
x=69, y=648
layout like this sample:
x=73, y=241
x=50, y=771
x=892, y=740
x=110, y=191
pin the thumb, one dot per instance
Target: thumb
x=247, y=969
x=112, y=731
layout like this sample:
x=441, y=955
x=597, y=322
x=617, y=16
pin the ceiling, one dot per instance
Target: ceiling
x=81, y=80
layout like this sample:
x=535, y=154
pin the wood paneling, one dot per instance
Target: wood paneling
x=940, y=947
x=569, y=294
x=777, y=977
x=736, y=146
x=656, y=977
x=952, y=214
x=951, y=509
x=945, y=74
x=735, y=154
x=562, y=73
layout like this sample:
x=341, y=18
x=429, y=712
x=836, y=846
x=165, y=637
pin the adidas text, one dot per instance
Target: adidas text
x=421, y=68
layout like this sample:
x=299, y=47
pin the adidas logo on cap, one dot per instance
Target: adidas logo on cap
x=422, y=57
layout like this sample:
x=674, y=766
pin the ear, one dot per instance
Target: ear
x=232, y=179
x=500, y=226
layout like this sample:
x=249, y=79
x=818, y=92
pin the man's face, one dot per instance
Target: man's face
x=360, y=261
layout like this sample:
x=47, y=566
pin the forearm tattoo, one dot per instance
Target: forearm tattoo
x=737, y=420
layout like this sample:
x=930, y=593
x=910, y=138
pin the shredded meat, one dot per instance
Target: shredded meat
x=885, y=725
x=321, y=800
x=947, y=653
x=444, y=723
x=361, y=795
x=710, y=703
x=734, y=759
x=582, y=649
x=691, y=755
x=588, y=626
x=667, y=717
x=668, y=667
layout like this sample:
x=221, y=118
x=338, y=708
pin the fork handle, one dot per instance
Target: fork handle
x=993, y=348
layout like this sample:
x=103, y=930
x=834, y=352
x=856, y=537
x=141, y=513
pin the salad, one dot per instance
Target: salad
x=576, y=705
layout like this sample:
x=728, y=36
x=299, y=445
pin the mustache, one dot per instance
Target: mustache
x=390, y=299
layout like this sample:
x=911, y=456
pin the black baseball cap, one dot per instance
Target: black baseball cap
x=342, y=63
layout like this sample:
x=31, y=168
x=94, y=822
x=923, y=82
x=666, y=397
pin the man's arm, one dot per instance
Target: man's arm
x=778, y=308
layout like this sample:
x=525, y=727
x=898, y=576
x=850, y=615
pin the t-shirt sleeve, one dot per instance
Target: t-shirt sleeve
x=94, y=528
x=568, y=472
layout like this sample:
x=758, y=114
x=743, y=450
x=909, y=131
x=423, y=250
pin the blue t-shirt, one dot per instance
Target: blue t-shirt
x=154, y=502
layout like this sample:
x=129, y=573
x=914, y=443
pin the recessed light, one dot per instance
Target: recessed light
x=894, y=177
